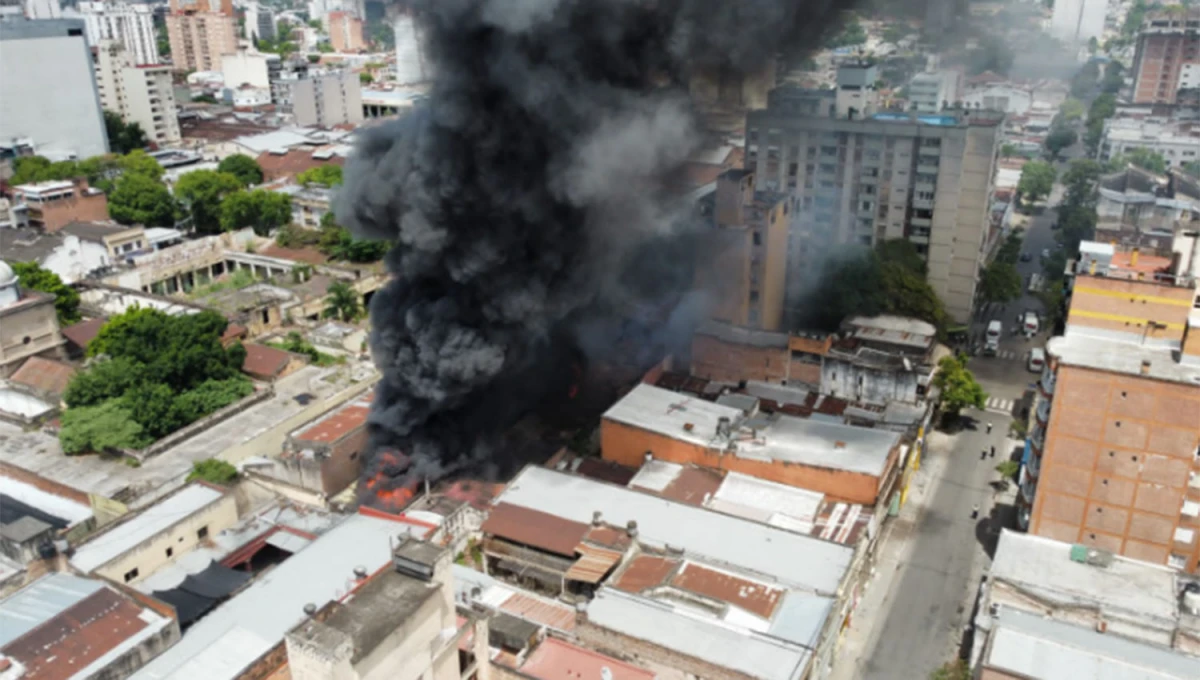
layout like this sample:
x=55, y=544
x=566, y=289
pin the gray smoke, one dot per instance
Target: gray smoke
x=526, y=200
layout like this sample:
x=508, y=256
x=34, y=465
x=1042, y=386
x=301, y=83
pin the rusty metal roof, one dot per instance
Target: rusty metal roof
x=554, y=659
x=694, y=485
x=593, y=564
x=45, y=375
x=535, y=529
x=752, y=596
x=339, y=423
x=646, y=571
x=264, y=362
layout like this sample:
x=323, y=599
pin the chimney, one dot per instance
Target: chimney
x=596, y=518
x=1145, y=367
x=631, y=528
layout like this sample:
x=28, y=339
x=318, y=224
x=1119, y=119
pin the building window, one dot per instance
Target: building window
x=758, y=236
x=170, y=551
x=202, y=533
x=131, y=574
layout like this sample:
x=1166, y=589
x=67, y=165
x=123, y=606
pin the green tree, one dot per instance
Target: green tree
x=245, y=168
x=888, y=280
x=180, y=351
x=164, y=43
x=151, y=405
x=316, y=24
x=213, y=471
x=103, y=380
x=202, y=192
x=264, y=211
x=137, y=162
x=342, y=302
x=106, y=428
x=365, y=78
x=328, y=175
x=123, y=137
x=66, y=299
x=1008, y=150
x=1104, y=106
x=1037, y=179
x=1060, y=139
x=138, y=199
x=205, y=99
x=1142, y=158
x=1001, y=282
x=33, y=169
x=958, y=387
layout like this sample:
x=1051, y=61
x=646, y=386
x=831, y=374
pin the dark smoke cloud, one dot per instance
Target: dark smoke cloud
x=526, y=199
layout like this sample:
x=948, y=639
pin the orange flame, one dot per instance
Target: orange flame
x=394, y=499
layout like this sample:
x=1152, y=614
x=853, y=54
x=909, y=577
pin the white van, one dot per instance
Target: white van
x=992, y=338
x=1037, y=359
x=1029, y=324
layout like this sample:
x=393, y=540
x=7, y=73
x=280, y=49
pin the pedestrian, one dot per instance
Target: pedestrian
x=993, y=452
x=983, y=454
x=975, y=511
x=989, y=428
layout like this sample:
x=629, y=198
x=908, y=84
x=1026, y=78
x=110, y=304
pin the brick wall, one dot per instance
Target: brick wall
x=344, y=464
x=628, y=445
x=57, y=214
x=715, y=359
x=624, y=647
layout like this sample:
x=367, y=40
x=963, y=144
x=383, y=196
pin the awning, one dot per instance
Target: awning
x=200, y=592
x=592, y=564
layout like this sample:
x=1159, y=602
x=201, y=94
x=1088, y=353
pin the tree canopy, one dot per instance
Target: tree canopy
x=66, y=299
x=1037, y=179
x=342, y=302
x=123, y=137
x=202, y=192
x=213, y=471
x=1142, y=158
x=161, y=372
x=245, y=168
x=328, y=175
x=139, y=199
x=1060, y=139
x=958, y=387
x=888, y=280
x=264, y=211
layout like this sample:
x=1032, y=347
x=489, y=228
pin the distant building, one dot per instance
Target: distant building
x=858, y=177
x=1168, y=42
x=930, y=92
x=64, y=121
x=44, y=624
x=50, y=206
x=321, y=99
x=248, y=66
x=1111, y=460
x=42, y=9
x=260, y=22
x=142, y=94
x=1176, y=141
x=346, y=32
x=1075, y=22
x=132, y=25
x=1051, y=609
x=1136, y=208
x=200, y=31
x=325, y=456
x=411, y=66
x=748, y=270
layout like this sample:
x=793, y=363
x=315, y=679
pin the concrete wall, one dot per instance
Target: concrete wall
x=628, y=445
x=180, y=538
x=1119, y=450
x=841, y=379
x=52, y=97
x=715, y=359
x=27, y=330
x=125, y=665
x=646, y=653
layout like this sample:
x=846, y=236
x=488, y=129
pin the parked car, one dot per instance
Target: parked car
x=1025, y=257
x=1037, y=359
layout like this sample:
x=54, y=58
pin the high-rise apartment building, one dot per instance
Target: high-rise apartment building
x=1167, y=43
x=260, y=22
x=200, y=31
x=346, y=32
x=411, y=66
x=1077, y=21
x=131, y=25
x=51, y=98
x=139, y=93
x=1113, y=455
x=862, y=177
x=321, y=99
x=43, y=9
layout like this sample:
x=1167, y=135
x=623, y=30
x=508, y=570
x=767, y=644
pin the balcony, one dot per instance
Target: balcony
x=921, y=222
x=926, y=169
x=922, y=203
x=1042, y=412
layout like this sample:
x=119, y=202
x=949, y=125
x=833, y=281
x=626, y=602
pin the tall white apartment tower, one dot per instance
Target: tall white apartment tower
x=1077, y=21
x=141, y=94
x=130, y=25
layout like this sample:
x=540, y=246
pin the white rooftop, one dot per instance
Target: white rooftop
x=692, y=634
x=227, y=640
x=106, y=546
x=1030, y=646
x=70, y=511
x=769, y=502
x=806, y=441
x=791, y=559
x=1089, y=348
x=276, y=139
x=1043, y=567
x=44, y=187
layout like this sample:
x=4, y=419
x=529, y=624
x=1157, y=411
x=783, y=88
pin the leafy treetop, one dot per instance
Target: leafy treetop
x=66, y=298
x=329, y=175
x=958, y=386
x=245, y=168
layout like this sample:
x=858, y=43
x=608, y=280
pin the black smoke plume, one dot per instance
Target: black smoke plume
x=526, y=200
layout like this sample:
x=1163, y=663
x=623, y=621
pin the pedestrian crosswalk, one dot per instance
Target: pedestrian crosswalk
x=998, y=405
x=1008, y=355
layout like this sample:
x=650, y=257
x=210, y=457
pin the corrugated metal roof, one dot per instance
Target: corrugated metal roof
x=694, y=485
x=239, y=631
x=760, y=500
x=106, y=546
x=554, y=659
x=801, y=617
x=790, y=558
x=656, y=475
x=757, y=598
x=1043, y=649
x=41, y=601
x=716, y=642
x=646, y=571
x=592, y=565
x=497, y=596
x=534, y=528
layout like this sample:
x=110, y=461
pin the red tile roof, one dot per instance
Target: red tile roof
x=264, y=362
x=554, y=659
x=295, y=161
x=83, y=332
x=535, y=529
x=44, y=375
x=338, y=424
x=79, y=635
